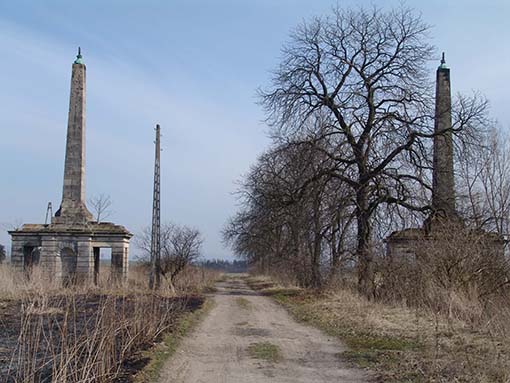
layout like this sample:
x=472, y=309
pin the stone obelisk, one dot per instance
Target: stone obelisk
x=443, y=184
x=73, y=209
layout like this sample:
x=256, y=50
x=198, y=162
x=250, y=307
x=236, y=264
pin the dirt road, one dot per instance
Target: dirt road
x=248, y=338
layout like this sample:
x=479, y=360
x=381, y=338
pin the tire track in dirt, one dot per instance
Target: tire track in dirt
x=217, y=351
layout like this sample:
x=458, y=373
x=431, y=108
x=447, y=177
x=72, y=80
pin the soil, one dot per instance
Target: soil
x=219, y=349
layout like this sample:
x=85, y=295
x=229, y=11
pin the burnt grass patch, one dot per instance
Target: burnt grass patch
x=97, y=337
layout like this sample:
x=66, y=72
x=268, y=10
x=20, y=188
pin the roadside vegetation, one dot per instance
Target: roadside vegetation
x=92, y=333
x=398, y=342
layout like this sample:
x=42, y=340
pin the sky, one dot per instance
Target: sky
x=192, y=66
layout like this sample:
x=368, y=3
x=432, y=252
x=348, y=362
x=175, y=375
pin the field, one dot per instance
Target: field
x=88, y=333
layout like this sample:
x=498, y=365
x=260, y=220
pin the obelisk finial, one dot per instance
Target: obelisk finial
x=79, y=57
x=443, y=62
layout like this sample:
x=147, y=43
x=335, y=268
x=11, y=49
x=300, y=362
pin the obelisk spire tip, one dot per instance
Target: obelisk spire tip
x=443, y=62
x=79, y=57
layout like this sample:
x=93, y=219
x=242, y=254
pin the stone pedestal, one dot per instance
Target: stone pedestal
x=71, y=252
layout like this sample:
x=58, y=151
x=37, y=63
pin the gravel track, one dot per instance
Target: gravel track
x=217, y=351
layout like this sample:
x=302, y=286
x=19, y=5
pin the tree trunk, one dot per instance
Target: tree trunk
x=336, y=244
x=365, y=277
x=316, y=281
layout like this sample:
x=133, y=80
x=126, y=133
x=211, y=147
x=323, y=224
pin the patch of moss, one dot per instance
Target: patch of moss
x=266, y=351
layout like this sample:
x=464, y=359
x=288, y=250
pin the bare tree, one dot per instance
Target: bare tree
x=17, y=224
x=356, y=85
x=2, y=254
x=101, y=204
x=180, y=247
x=484, y=183
x=183, y=248
x=287, y=229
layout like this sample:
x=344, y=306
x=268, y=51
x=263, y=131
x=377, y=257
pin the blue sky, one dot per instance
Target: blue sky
x=193, y=67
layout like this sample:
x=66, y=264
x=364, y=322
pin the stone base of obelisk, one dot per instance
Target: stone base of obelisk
x=70, y=252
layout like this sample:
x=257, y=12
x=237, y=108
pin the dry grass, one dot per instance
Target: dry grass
x=197, y=280
x=400, y=343
x=14, y=284
x=87, y=333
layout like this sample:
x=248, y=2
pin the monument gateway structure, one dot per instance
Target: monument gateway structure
x=69, y=247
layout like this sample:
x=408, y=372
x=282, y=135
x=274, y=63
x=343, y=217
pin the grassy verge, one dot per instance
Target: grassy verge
x=159, y=354
x=397, y=343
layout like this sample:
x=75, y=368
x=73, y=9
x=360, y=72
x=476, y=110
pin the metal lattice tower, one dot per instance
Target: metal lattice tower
x=49, y=213
x=155, y=277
